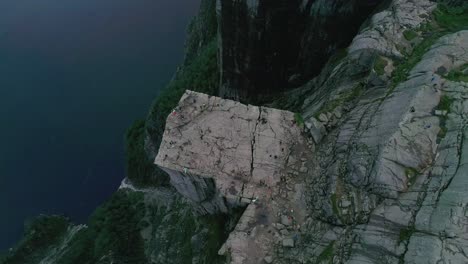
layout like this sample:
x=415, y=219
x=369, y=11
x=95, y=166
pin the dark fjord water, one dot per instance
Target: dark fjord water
x=73, y=76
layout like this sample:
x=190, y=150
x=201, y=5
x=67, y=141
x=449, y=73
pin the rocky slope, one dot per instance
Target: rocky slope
x=389, y=173
x=388, y=122
x=380, y=173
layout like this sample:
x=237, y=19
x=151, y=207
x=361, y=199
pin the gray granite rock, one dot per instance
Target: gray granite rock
x=288, y=242
x=316, y=128
x=221, y=154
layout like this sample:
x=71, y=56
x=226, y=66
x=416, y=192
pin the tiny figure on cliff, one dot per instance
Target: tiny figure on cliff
x=254, y=200
x=434, y=83
x=295, y=237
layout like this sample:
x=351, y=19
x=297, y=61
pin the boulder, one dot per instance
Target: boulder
x=288, y=242
x=268, y=259
x=316, y=128
x=286, y=220
x=323, y=118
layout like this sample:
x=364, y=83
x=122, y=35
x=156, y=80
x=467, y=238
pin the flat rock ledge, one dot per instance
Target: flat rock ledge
x=221, y=154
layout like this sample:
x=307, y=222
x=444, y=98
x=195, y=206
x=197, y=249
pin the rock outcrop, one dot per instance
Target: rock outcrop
x=387, y=178
x=385, y=165
x=221, y=154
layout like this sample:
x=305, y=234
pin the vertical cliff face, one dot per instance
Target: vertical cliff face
x=268, y=46
x=330, y=25
x=259, y=43
x=201, y=31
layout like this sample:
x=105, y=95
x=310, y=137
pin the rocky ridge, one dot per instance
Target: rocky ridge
x=391, y=150
x=384, y=151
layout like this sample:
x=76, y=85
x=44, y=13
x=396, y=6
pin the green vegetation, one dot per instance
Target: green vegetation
x=402, y=70
x=334, y=202
x=459, y=75
x=140, y=169
x=299, y=120
x=327, y=254
x=114, y=227
x=410, y=34
x=402, y=49
x=113, y=234
x=379, y=65
x=201, y=30
x=447, y=20
x=200, y=75
x=411, y=174
x=113, y=230
x=452, y=19
x=345, y=97
x=179, y=226
x=443, y=129
x=406, y=233
x=39, y=235
x=287, y=102
x=444, y=105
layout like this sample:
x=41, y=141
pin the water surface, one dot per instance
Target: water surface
x=73, y=76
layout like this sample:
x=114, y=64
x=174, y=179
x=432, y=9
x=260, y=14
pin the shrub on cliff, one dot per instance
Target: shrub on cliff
x=113, y=232
x=139, y=167
x=40, y=233
x=199, y=72
x=114, y=227
x=452, y=17
x=200, y=75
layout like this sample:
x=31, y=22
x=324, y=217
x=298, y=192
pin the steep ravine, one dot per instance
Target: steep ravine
x=269, y=46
